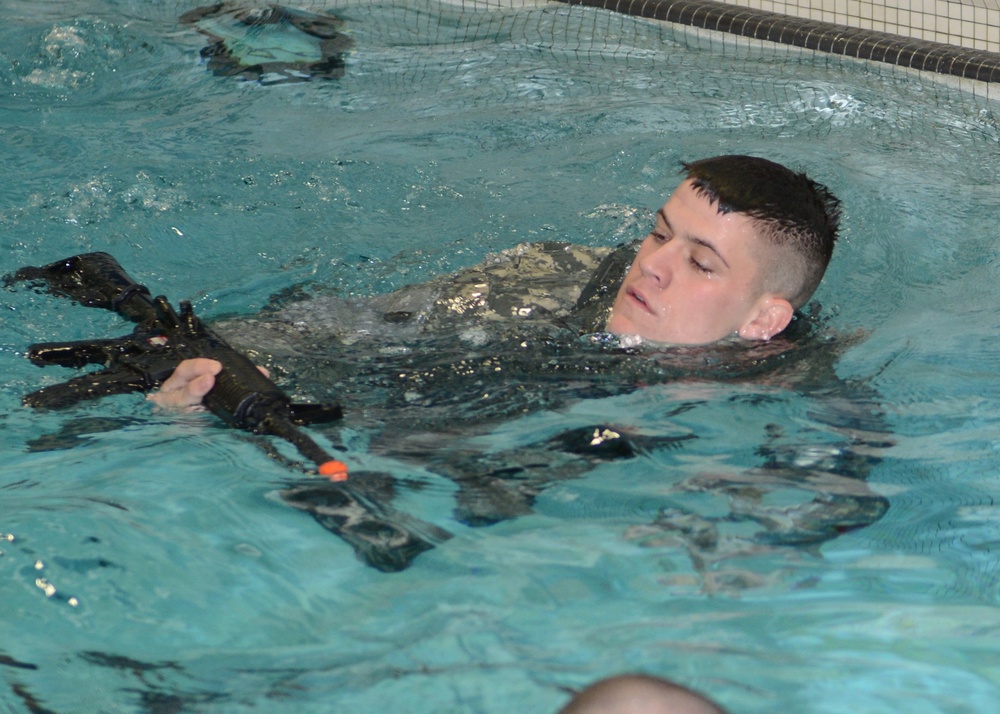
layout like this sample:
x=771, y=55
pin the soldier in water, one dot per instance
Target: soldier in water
x=714, y=292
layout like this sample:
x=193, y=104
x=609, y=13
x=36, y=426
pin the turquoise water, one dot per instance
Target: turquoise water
x=152, y=567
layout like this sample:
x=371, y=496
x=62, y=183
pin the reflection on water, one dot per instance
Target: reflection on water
x=806, y=528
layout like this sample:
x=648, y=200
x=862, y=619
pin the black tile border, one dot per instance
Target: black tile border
x=899, y=50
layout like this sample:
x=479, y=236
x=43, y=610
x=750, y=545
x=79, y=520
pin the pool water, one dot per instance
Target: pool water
x=148, y=561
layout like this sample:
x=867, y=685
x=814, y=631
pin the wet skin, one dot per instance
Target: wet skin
x=698, y=277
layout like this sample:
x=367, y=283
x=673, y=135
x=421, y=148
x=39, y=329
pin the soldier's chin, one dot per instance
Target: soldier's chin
x=619, y=325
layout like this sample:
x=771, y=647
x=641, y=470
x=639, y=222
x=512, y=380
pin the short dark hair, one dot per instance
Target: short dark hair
x=791, y=210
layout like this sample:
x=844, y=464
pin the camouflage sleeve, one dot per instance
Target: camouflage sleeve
x=528, y=281
x=525, y=282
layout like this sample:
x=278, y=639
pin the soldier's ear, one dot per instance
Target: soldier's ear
x=770, y=316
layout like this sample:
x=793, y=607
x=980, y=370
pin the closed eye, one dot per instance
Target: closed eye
x=701, y=267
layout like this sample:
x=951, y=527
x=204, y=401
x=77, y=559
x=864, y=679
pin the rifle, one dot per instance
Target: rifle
x=242, y=396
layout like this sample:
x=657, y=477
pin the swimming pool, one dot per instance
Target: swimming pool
x=152, y=567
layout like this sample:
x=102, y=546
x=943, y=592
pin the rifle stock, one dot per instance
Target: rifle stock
x=242, y=396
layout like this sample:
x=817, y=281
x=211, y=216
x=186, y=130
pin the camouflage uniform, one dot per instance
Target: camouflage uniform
x=564, y=285
x=426, y=370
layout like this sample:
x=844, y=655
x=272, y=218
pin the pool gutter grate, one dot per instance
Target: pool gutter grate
x=899, y=50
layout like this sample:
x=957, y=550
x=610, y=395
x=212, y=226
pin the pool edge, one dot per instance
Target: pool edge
x=921, y=55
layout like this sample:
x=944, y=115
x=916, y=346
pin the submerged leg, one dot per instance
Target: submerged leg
x=499, y=486
x=358, y=512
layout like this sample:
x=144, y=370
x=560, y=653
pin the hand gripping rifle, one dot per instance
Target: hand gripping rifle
x=242, y=396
